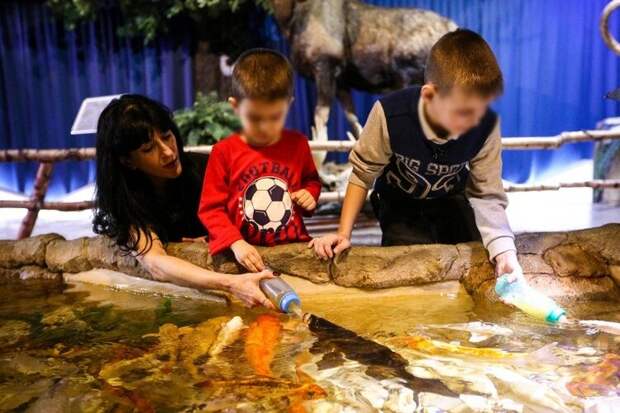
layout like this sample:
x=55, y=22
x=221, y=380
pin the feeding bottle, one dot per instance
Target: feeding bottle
x=282, y=295
x=529, y=300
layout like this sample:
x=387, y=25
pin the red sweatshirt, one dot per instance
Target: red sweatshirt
x=246, y=191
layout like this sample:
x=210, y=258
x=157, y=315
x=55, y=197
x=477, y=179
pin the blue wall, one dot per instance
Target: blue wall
x=556, y=67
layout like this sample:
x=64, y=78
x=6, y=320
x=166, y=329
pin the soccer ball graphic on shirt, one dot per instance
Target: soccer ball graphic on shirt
x=267, y=203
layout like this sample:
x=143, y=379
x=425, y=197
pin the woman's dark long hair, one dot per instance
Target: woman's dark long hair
x=126, y=202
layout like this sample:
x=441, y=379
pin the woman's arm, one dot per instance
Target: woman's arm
x=164, y=267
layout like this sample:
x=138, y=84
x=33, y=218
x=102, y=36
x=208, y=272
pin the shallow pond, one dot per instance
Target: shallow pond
x=86, y=348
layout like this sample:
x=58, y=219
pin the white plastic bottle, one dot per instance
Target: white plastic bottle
x=527, y=299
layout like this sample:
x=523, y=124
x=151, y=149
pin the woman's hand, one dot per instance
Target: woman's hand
x=247, y=289
x=304, y=199
x=329, y=245
x=247, y=255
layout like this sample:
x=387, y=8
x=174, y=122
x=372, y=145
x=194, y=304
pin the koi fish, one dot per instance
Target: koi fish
x=227, y=335
x=479, y=331
x=607, y=326
x=439, y=348
x=381, y=362
x=261, y=341
x=602, y=379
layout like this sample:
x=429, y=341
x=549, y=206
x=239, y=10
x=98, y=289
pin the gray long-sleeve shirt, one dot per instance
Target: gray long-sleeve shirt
x=484, y=188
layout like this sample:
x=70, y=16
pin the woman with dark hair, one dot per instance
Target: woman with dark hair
x=148, y=191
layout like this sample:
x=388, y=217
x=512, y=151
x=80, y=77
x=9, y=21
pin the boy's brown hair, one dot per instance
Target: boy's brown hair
x=463, y=58
x=262, y=74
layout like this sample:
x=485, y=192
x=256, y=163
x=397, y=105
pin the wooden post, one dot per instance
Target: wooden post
x=38, y=195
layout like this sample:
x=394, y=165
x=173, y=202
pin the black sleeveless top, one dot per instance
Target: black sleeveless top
x=178, y=209
x=419, y=168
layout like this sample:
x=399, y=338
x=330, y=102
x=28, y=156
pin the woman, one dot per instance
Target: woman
x=147, y=195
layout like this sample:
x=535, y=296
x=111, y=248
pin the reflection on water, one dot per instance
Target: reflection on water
x=93, y=349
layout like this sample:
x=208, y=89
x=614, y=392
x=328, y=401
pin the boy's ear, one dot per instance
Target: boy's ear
x=234, y=103
x=428, y=92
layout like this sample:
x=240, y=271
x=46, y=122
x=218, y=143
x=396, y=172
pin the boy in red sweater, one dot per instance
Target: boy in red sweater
x=259, y=182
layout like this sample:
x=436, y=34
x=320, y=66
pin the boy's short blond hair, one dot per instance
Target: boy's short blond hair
x=463, y=58
x=262, y=74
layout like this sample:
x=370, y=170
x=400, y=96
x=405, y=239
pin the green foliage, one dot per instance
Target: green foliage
x=163, y=310
x=207, y=121
x=74, y=12
x=148, y=18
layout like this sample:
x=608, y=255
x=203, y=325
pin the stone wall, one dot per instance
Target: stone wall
x=579, y=265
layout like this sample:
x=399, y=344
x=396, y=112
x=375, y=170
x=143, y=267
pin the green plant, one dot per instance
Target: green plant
x=207, y=121
x=148, y=18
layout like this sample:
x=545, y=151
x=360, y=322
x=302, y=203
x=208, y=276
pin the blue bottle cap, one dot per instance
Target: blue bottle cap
x=555, y=315
x=287, y=299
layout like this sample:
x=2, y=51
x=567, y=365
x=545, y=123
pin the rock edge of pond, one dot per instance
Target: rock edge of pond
x=569, y=266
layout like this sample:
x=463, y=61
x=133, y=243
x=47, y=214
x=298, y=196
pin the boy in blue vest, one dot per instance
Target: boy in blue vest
x=433, y=154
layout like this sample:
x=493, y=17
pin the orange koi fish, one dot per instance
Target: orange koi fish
x=433, y=347
x=602, y=379
x=261, y=341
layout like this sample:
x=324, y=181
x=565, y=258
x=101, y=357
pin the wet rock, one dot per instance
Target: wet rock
x=12, y=332
x=185, y=347
x=62, y=315
x=71, y=394
x=17, y=395
x=28, y=365
x=29, y=251
x=28, y=273
x=33, y=272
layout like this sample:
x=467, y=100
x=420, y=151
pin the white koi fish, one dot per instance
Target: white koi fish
x=478, y=330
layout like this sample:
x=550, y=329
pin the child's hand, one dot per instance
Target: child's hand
x=507, y=263
x=247, y=255
x=304, y=199
x=329, y=245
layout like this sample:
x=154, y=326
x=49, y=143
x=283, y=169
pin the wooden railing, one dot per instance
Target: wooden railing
x=47, y=157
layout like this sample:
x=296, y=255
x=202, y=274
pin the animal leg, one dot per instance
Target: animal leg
x=326, y=87
x=346, y=100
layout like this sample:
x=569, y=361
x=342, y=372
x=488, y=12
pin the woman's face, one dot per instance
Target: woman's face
x=158, y=158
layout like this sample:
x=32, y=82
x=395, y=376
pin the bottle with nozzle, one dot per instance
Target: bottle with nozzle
x=282, y=295
x=529, y=300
